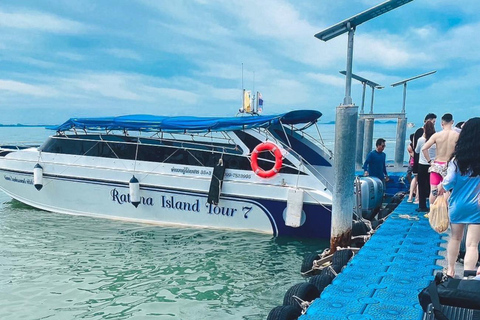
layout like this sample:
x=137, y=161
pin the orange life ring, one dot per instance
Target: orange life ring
x=267, y=146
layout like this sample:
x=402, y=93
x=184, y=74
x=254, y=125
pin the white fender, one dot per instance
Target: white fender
x=38, y=177
x=134, y=187
x=294, y=208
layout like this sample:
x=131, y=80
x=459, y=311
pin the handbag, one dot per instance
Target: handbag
x=438, y=216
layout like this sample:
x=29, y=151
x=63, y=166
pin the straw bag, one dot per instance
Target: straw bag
x=438, y=216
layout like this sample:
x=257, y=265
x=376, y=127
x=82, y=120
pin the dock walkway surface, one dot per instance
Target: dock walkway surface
x=383, y=279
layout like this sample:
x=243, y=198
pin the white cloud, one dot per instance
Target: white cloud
x=388, y=51
x=220, y=70
x=41, y=22
x=327, y=79
x=459, y=42
x=467, y=6
x=126, y=87
x=226, y=94
x=169, y=95
x=107, y=85
x=26, y=89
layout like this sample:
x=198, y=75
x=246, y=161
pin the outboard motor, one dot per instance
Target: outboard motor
x=372, y=196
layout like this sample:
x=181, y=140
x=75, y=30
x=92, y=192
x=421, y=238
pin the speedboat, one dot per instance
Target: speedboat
x=261, y=173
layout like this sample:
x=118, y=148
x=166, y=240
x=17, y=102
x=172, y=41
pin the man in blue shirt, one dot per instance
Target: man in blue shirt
x=375, y=163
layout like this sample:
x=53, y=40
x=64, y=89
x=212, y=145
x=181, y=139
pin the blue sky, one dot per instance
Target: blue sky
x=61, y=59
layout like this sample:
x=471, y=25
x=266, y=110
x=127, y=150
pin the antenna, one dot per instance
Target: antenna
x=253, y=92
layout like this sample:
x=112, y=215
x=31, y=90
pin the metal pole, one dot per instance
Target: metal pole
x=360, y=138
x=363, y=97
x=400, y=141
x=360, y=132
x=343, y=198
x=371, y=104
x=348, y=76
x=368, y=137
x=404, y=96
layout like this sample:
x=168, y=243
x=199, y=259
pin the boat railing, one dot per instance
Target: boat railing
x=314, y=170
x=224, y=144
x=318, y=141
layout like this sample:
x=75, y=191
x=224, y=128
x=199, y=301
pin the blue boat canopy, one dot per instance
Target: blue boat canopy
x=144, y=122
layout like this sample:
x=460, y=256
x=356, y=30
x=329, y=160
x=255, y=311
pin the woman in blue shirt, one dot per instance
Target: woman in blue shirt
x=463, y=179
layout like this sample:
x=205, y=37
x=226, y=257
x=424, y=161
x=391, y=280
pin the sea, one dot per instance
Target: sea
x=55, y=266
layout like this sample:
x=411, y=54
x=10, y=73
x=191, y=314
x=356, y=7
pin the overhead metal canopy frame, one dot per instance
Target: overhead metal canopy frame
x=343, y=27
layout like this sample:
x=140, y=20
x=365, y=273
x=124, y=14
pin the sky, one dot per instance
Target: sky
x=70, y=58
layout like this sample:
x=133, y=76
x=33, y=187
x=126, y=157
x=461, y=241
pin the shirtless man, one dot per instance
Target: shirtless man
x=445, y=141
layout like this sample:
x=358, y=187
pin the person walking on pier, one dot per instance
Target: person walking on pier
x=432, y=117
x=412, y=178
x=445, y=141
x=463, y=180
x=423, y=166
x=375, y=163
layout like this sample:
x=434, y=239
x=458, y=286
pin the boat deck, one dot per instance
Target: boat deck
x=383, y=280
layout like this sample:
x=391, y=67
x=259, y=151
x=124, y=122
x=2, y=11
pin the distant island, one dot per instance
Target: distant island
x=376, y=121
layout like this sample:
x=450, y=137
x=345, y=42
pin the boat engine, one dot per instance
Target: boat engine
x=371, y=190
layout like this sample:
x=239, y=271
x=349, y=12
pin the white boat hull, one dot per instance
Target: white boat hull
x=99, y=187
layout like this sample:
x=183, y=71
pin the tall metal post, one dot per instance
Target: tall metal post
x=362, y=108
x=400, y=141
x=360, y=131
x=367, y=147
x=344, y=165
x=346, y=124
x=360, y=138
x=371, y=103
x=348, y=79
x=402, y=121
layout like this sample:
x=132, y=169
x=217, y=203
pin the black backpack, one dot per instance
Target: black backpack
x=448, y=291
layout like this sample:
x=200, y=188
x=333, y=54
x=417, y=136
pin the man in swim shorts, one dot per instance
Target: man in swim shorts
x=445, y=141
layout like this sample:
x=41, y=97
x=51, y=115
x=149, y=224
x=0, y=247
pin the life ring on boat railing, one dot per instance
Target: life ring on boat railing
x=267, y=146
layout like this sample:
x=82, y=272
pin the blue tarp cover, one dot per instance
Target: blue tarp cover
x=144, y=122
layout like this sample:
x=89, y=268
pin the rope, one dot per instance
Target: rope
x=408, y=217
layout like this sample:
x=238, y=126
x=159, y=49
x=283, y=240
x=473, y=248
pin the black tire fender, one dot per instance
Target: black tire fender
x=305, y=291
x=340, y=259
x=322, y=280
x=284, y=313
x=307, y=263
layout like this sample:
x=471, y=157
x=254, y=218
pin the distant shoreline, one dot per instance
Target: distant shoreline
x=375, y=121
x=19, y=125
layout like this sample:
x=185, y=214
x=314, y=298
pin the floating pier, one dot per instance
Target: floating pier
x=383, y=280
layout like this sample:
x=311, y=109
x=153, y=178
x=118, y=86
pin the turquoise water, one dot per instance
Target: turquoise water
x=55, y=266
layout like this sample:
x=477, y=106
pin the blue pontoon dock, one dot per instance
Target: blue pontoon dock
x=383, y=280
